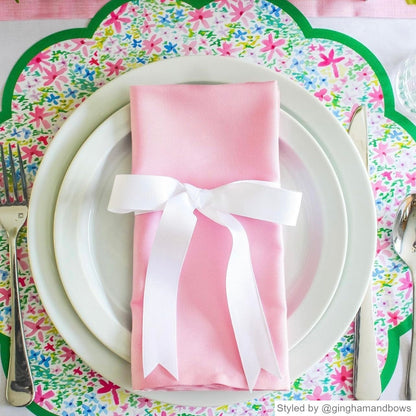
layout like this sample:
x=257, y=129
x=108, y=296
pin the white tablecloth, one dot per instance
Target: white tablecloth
x=391, y=41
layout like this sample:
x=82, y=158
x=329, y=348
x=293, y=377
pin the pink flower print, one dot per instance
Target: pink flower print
x=189, y=48
x=383, y=152
x=200, y=16
x=37, y=328
x=322, y=95
x=227, y=49
x=336, y=88
x=241, y=12
x=5, y=296
x=144, y=402
x=331, y=60
x=406, y=284
x=317, y=394
x=91, y=374
x=342, y=378
x=15, y=106
x=376, y=97
x=39, y=61
x=379, y=187
x=39, y=117
x=94, y=61
x=115, y=68
x=394, y=317
x=383, y=245
x=382, y=358
x=108, y=386
x=116, y=20
x=152, y=44
x=272, y=46
x=204, y=42
x=43, y=140
x=146, y=14
x=35, y=298
x=365, y=74
x=266, y=411
x=29, y=152
x=380, y=314
x=329, y=357
x=387, y=175
x=41, y=398
x=21, y=256
x=77, y=371
x=18, y=118
x=124, y=407
x=21, y=78
x=411, y=179
x=55, y=76
x=56, y=370
x=147, y=27
x=49, y=347
x=82, y=45
x=68, y=354
x=134, y=10
x=344, y=80
x=22, y=281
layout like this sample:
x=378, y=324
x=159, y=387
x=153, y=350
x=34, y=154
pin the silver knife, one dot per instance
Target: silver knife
x=366, y=377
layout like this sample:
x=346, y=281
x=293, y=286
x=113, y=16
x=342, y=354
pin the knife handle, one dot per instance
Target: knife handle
x=366, y=382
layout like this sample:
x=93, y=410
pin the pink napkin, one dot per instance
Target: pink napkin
x=345, y=8
x=209, y=135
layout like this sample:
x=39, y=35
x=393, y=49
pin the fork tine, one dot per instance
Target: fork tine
x=22, y=174
x=4, y=172
x=13, y=172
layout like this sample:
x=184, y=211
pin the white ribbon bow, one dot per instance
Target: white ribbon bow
x=255, y=199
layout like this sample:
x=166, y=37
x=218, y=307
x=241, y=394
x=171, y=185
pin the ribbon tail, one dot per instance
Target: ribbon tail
x=161, y=287
x=249, y=322
x=250, y=326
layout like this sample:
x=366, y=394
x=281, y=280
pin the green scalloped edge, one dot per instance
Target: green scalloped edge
x=394, y=335
x=309, y=32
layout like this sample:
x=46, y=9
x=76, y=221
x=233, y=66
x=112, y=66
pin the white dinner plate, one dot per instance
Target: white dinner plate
x=92, y=245
x=296, y=101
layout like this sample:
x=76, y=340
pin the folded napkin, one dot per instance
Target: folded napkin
x=209, y=328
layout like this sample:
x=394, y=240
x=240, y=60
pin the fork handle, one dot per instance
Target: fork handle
x=19, y=388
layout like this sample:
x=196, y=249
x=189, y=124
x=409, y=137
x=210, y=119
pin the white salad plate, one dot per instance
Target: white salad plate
x=93, y=247
x=295, y=101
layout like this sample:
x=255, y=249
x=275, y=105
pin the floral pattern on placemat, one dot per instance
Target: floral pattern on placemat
x=59, y=77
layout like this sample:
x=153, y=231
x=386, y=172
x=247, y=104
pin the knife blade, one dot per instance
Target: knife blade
x=366, y=377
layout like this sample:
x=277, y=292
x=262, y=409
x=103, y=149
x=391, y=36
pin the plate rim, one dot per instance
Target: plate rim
x=198, y=64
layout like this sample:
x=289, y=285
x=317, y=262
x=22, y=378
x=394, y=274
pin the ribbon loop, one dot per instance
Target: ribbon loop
x=255, y=199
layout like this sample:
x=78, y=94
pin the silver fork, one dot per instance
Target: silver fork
x=13, y=214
